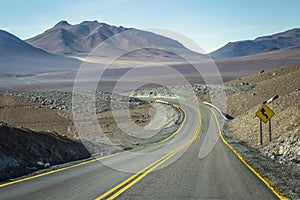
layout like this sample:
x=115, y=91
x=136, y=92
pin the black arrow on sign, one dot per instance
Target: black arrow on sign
x=264, y=114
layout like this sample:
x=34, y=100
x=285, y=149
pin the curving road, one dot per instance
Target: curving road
x=172, y=169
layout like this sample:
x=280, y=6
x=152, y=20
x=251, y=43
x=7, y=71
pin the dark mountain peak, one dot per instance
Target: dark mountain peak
x=7, y=40
x=95, y=22
x=61, y=24
x=87, y=26
x=239, y=43
x=292, y=33
x=288, y=32
x=5, y=34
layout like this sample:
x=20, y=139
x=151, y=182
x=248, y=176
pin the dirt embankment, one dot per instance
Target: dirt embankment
x=23, y=151
x=284, y=82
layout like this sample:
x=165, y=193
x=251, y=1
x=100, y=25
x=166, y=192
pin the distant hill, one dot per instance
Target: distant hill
x=247, y=65
x=81, y=39
x=261, y=44
x=16, y=56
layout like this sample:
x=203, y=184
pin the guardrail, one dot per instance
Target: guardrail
x=217, y=110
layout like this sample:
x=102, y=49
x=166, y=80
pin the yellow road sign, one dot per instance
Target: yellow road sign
x=265, y=113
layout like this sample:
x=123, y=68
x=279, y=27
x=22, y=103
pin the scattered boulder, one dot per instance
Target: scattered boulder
x=285, y=150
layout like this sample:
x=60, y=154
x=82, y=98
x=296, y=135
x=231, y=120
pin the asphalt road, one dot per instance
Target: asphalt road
x=169, y=170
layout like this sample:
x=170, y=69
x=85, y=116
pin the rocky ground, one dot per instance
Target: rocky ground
x=62, y=100
x=200, y=90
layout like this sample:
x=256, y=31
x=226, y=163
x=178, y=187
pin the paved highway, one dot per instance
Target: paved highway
x=171, y=169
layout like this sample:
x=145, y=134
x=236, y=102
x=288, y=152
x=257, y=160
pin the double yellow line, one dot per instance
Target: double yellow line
x=126, y=184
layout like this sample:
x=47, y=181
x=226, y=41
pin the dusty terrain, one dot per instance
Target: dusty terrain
x=284, y=82
x=32, y=115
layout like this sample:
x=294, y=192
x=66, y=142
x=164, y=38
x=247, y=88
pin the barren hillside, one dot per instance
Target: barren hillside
x=242, y=106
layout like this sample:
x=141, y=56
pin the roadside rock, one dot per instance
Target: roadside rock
x=62, y=100
x=199, y=89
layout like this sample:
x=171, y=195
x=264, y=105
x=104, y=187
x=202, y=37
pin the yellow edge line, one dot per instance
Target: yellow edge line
x=56, y=170
x=90, y=161
x=145, y=171
x=264, y=180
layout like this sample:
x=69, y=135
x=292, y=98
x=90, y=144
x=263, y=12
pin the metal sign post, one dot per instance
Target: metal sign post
x=260, y=128
x=270, y=131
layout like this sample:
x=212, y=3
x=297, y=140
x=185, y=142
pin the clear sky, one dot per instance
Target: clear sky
x=210, y=23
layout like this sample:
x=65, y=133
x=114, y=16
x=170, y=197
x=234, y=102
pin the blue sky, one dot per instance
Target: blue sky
x=210, y=23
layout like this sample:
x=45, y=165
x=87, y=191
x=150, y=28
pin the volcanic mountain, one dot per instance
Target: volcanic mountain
x=81, y=39
x=261, y=44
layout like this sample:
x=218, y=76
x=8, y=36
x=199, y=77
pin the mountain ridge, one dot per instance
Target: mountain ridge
x=80, y=39
x=279, y=40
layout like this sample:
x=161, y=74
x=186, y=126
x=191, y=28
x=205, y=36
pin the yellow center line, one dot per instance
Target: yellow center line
x=132, y=177
x=144, y=172
x=141, y=176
